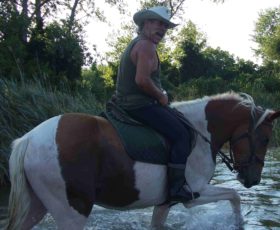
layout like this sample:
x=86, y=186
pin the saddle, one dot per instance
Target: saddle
x=142, y=143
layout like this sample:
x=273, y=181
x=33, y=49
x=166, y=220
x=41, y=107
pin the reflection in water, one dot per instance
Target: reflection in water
x=260, y=207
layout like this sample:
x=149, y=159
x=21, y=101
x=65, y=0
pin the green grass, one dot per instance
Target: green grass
x=24, y=105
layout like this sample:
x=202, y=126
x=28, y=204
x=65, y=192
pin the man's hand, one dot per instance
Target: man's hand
x=163, y=99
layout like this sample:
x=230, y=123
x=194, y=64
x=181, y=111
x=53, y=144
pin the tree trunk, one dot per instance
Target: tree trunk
x=24, y=13
x=72, y=16
x=38, y=16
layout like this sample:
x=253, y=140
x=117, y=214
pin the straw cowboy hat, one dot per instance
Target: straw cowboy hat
x=160, y=13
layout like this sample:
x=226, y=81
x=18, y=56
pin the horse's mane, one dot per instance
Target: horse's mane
x=242, y=99
x=223, y=96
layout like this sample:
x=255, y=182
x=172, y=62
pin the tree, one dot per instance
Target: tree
x=267, y=35
x=64, y=51
x=170, y=60
x=12, y=45
x=219, y=63
x=188, y=52
x=176, y=6
x=26, y=27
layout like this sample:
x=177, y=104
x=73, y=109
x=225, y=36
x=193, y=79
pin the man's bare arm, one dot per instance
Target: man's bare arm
x=146, y=62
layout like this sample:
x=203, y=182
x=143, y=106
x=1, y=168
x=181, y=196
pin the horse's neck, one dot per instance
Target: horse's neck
x=194, y=111
x=200, y=165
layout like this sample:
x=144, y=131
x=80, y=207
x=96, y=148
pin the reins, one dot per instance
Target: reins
x=229, y=161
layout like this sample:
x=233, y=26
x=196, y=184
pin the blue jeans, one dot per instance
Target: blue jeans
x=168, y=124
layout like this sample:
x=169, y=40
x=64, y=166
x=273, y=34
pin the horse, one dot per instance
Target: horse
x=72, y=161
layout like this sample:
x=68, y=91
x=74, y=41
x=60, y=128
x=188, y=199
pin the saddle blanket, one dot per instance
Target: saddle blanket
x=141, y=142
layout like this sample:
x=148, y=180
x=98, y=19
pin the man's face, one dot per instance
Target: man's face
x=155, y=30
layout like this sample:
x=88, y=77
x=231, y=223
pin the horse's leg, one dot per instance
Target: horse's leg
x=47, y=183
x=160, y=214
x=53, y=196
x=36, y=211
x=212, y=193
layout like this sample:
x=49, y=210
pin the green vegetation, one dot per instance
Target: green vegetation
x=42, y=74
x=23, y=105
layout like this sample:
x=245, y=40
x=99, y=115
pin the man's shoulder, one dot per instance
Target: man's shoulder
x=145, y=45
x=146, y=42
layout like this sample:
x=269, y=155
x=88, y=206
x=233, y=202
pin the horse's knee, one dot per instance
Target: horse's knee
x=159, y=217
x=235, y=201
x=236, y=207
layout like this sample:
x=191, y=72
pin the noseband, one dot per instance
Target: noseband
x=252, y=158
x=249, y=134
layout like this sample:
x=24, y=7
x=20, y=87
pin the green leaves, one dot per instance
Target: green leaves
x=267, y=35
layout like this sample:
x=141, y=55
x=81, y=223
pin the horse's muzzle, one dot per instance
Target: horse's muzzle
x=247, y=182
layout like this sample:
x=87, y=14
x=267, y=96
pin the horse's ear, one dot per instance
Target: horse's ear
x=272, y=116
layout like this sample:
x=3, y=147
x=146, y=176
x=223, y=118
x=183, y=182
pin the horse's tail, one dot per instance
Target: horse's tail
x=19, y=200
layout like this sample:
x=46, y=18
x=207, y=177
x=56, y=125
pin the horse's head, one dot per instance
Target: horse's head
x=248, y=146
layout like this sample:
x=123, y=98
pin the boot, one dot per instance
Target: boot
x=177, y=191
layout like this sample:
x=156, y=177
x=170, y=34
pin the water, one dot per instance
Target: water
x=260, y=207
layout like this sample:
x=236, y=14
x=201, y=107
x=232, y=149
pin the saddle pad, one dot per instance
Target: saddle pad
x=141, y=142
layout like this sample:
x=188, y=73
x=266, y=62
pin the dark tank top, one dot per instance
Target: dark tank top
x=128, y=94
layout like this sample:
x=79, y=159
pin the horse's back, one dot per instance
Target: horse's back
x=72, y=135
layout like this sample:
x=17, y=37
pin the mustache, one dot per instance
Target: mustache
x=160, y=34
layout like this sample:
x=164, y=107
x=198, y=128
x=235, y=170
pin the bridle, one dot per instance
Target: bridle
x=230, y=162
x=253, y=158
x=249, y=134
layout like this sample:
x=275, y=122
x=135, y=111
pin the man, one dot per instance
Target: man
x=139, y=92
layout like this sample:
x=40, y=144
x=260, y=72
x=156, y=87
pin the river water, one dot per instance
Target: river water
x=260, y=207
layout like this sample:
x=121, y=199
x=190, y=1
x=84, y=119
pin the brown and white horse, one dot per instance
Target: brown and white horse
x=70, y=162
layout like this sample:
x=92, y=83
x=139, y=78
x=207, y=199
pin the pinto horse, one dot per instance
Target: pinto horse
x=70, y=162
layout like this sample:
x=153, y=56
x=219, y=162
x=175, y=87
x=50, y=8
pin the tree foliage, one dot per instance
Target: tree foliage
x=60, y=52
x=176, y=6
x=267, y=35
x=33, y=43
x=35, y=40
x=188, y=52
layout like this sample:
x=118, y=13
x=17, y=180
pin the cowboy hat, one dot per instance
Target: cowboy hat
x=160, y=13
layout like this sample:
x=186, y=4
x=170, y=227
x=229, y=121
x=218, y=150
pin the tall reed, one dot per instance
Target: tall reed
x=25, y=104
